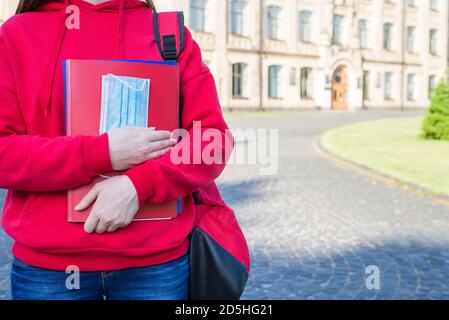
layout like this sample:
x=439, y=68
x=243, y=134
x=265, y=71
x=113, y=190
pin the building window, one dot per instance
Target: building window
x=411, y=87
x=305, y=26
x=306, y=83
x=198, y=15
x=237, y=17
x=363, y=34
x=365, y=84
x=239, y=81
x=432, y=82
x=388, y=86
x=411, y=39
x=388, y=36
x=273, y=13
x=411, y=3
x=337, y=27
x=433, y=41
x=274, y=81
x=433, y=4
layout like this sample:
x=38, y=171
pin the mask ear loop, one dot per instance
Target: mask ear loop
x=144, y=84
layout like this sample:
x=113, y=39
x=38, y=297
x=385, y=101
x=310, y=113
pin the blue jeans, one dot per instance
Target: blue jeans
x=168, y=281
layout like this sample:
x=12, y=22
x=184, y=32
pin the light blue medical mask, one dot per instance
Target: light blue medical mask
x=124, y=102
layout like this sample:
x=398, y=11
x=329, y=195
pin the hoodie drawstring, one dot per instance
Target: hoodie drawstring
x=121, y=31
x=53, y=61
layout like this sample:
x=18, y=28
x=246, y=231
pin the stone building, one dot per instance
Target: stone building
x=328, y=54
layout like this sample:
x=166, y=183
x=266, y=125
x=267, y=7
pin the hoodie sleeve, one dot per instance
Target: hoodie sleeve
x=36, y=163
x=161, y=180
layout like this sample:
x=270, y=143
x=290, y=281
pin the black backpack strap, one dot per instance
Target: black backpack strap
x=169, y=34
x=170, y=39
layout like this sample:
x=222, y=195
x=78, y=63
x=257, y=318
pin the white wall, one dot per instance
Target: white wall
x=7, y=8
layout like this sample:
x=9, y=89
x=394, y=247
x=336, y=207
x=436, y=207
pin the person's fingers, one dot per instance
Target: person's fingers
x=112, y=228
x=91, y=223
x=88, y=198
x=141, y=129
x=159, y=153
x=163, y=144
x=173, y=142
x=102, y=226
x=158, y=135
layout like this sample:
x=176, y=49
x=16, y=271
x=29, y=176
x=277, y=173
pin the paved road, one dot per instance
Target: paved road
x=315, y=226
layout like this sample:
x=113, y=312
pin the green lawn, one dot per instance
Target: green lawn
x=394, y=147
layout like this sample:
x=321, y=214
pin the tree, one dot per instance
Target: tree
x=436, y=123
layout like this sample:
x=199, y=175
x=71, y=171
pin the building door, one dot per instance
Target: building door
x=340, y=89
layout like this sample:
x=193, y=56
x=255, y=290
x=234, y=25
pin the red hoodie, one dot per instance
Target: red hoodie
x=39, y=163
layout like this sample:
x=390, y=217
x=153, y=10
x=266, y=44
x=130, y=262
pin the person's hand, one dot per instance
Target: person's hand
x=129, y=147
x=115, y=206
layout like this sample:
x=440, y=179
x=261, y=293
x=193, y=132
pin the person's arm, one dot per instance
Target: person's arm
x=161, y=180
x=117, y=200
x=36, y=163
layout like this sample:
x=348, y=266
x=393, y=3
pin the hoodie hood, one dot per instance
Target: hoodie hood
x=120, y=7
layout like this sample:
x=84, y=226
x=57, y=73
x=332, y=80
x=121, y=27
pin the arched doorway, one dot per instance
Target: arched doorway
x=340, y=89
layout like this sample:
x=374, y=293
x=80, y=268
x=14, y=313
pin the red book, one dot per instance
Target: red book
x=83, y=92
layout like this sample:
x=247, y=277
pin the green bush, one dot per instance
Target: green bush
x=436, y=123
